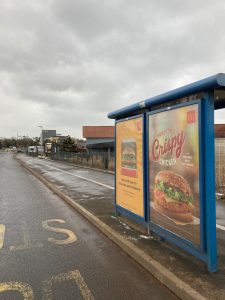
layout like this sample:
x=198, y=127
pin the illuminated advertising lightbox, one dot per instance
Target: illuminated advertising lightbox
x=174, y=171
x=129, y=165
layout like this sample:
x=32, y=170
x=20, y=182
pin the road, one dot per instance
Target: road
x=48, y=251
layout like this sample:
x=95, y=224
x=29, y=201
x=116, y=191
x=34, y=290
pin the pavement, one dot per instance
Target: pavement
x=182, y=273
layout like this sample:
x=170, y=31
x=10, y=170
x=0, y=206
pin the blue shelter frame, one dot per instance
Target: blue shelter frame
x=211, y=91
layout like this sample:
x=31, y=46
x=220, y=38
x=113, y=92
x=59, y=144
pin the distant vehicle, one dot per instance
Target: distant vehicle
x=40, y=151
x=48, y=149
x=11, y=149
x=32, y=150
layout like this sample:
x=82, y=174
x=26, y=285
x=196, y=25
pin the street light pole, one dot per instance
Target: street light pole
x=41, y=142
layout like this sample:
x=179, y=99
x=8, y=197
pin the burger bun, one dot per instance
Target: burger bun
x=182, y=217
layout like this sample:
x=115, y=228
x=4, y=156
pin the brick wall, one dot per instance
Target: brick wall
x=98, y=131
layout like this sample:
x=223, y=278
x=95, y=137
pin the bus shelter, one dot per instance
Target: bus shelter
x=165, y=165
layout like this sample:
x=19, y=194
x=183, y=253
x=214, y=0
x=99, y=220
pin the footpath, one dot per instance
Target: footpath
x=182, y=273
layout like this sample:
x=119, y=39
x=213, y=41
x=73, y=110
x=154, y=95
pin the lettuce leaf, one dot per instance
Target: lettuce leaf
x=175, y=194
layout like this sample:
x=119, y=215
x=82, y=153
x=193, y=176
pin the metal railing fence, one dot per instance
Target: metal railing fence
x=220, y=166
x=98, y=160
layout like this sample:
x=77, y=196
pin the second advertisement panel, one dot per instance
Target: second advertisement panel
x=174, y=180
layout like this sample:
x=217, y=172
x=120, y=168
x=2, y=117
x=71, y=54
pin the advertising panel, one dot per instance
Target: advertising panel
x=129, y=165
x=174, y=171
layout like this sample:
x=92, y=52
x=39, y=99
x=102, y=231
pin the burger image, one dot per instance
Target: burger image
x=173, y=196
x=129, y=158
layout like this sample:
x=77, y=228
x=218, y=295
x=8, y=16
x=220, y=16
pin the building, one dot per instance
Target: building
x=46, y=134
x=100, y=143
x=99, y=138
x=57, y=139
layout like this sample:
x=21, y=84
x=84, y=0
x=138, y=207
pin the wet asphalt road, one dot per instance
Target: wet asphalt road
x=69, y=175
x=48, y=251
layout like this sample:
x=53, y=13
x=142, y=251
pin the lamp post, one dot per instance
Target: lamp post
x=41, y=142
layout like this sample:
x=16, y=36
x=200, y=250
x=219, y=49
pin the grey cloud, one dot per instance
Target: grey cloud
x=68, y=63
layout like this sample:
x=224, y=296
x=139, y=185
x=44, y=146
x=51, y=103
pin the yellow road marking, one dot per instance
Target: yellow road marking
x=72, y=275
x=27, y=244
x=71, y=236
x=2, y=235
x=24, y=288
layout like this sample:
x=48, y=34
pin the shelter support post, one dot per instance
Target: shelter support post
x=209, y=191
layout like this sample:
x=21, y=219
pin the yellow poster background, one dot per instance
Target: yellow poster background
x=129, y=165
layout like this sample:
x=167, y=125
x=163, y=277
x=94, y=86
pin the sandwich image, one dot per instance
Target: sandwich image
x=173, y=196
x=129, y=158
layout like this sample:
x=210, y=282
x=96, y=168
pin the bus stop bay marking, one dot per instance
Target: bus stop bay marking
x=71, y=236
x=48, y=225
x=27, y=243
x=2, y=235
x=23, y=288
x=47, y=286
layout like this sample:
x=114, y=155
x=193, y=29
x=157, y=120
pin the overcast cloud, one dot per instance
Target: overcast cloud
x=67, y=63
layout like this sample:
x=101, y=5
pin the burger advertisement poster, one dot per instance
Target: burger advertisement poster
x=174, y=171
x=129, y=157
x=129, y=165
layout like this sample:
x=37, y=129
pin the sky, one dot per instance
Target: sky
x=68, y=63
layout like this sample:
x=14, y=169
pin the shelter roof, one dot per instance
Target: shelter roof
x=214, y=83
